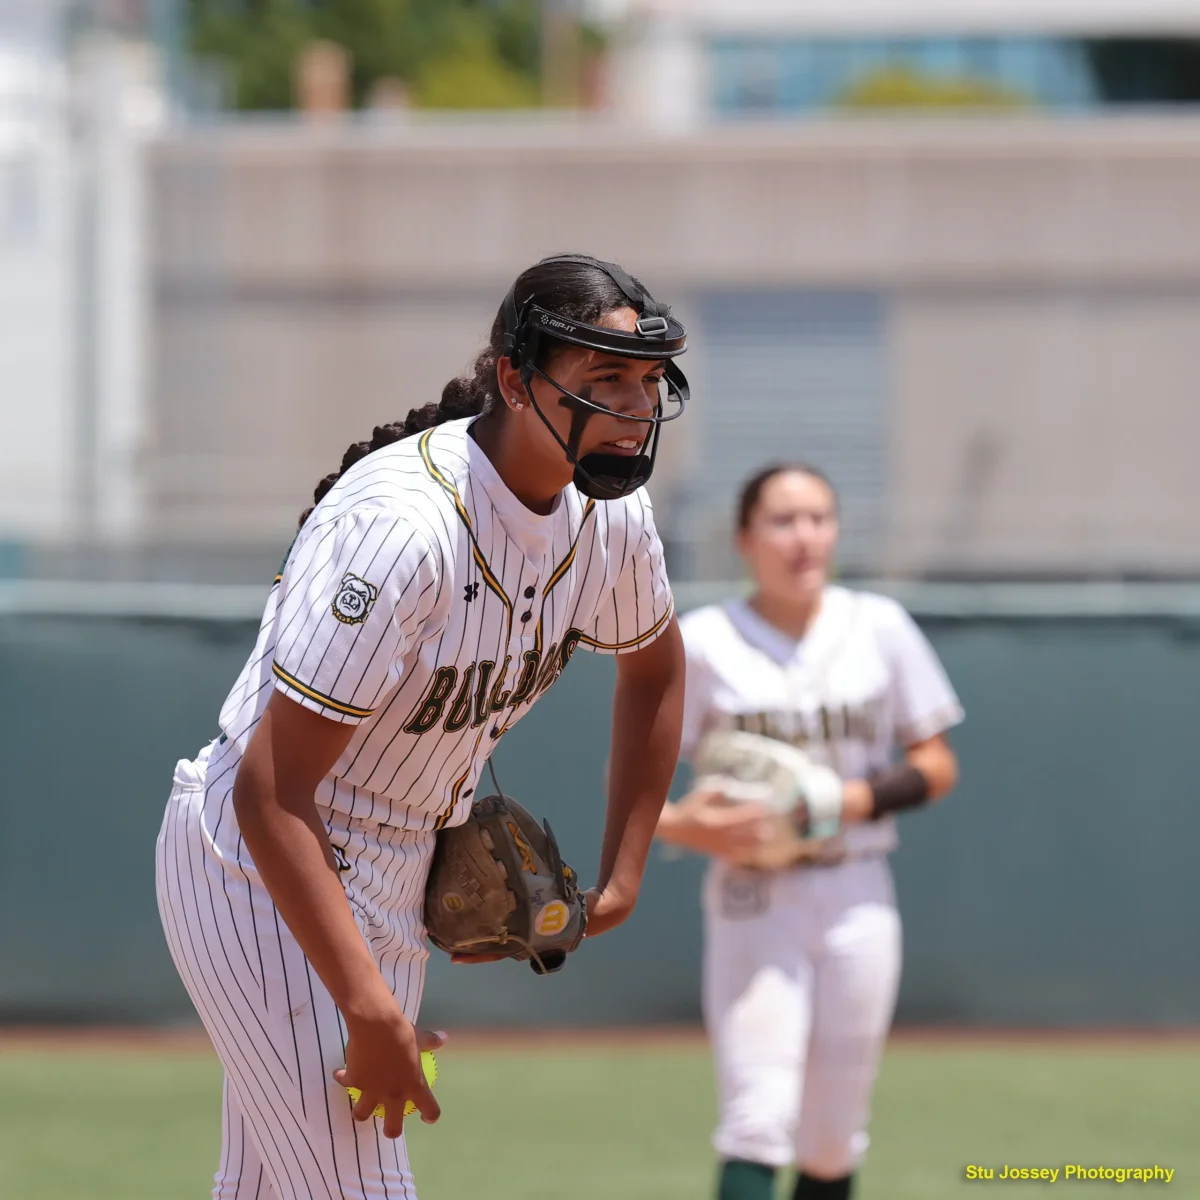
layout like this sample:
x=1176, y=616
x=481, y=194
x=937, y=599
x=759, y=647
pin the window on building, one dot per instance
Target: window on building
x=786, y=375
x=758, y=76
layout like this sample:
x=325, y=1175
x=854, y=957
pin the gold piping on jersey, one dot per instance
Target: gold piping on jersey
x=345, y=709
x=559, y=571
x=564, y=566
x=555, y=577
x=481, y=562
x=448, y=811
x=637, y=641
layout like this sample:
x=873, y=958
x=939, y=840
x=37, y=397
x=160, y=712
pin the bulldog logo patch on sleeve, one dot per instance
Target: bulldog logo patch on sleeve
x=353, y=600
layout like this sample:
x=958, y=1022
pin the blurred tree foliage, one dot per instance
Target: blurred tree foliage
x=450, y=53
x=901, y=86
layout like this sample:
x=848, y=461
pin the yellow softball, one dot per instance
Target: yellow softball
x=428, y=1065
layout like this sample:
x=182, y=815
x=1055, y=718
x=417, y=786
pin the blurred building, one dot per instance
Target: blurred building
x=36, y=293
x=679, y=63
x=80, y=94
x=983, y=327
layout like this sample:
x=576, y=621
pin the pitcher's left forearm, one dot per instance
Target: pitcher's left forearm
x=646, y=728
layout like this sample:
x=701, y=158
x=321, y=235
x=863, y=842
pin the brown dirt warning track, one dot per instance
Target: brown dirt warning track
x=192, y=1039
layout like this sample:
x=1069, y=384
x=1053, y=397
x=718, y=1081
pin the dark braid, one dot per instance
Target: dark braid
x=571, y=289
x=465, y=396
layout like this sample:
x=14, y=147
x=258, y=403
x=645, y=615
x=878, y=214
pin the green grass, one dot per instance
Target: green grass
x=601, y=1122
x=107, y=1124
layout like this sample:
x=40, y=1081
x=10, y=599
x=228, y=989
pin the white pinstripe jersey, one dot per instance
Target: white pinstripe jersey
x=425, y=604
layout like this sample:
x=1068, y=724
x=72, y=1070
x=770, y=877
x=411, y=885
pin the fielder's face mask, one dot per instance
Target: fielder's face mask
x=657, y=337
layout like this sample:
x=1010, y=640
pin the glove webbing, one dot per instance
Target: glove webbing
x=508, y=937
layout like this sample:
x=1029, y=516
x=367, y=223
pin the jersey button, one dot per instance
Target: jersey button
x=525, y=616
x=530, y=593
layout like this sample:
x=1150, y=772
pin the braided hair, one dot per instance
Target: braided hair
x=576, y=290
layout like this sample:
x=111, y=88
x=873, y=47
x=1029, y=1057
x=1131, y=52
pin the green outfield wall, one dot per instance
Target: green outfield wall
x=1058, y=886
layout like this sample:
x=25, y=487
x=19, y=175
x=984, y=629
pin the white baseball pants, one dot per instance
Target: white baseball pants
x=287, y=1129
x=801, y=970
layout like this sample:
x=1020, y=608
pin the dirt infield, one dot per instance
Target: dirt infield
x=192, y=1040
x=185, y=1040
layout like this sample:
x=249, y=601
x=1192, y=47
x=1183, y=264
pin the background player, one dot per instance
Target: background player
x=802, y=965
x=438, y=587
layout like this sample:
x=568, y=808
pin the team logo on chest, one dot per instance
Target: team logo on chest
x=353, y=600
x=478, y=692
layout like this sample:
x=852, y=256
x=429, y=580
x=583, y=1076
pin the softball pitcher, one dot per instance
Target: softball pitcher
x=438, y=587
x=802, y=963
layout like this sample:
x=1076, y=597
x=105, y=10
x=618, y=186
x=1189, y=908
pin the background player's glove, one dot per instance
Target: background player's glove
x=804, y=797
x=497, y=885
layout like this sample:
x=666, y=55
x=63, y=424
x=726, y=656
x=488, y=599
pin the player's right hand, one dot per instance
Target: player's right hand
x=704, y=822
x=383, y=1060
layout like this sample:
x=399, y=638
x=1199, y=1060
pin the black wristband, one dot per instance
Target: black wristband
x=895, y=789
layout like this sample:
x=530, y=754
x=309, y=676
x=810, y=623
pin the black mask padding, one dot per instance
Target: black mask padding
x=604, y=476
x=580, y=416
x=611, y=476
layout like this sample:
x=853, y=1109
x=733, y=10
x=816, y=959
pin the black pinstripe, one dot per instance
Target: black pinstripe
x=299, y=1122
x=217, y=1016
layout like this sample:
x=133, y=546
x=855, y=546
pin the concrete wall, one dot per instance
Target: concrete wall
x=1045, y=429
x=1056, y=887
x=1042, y=282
